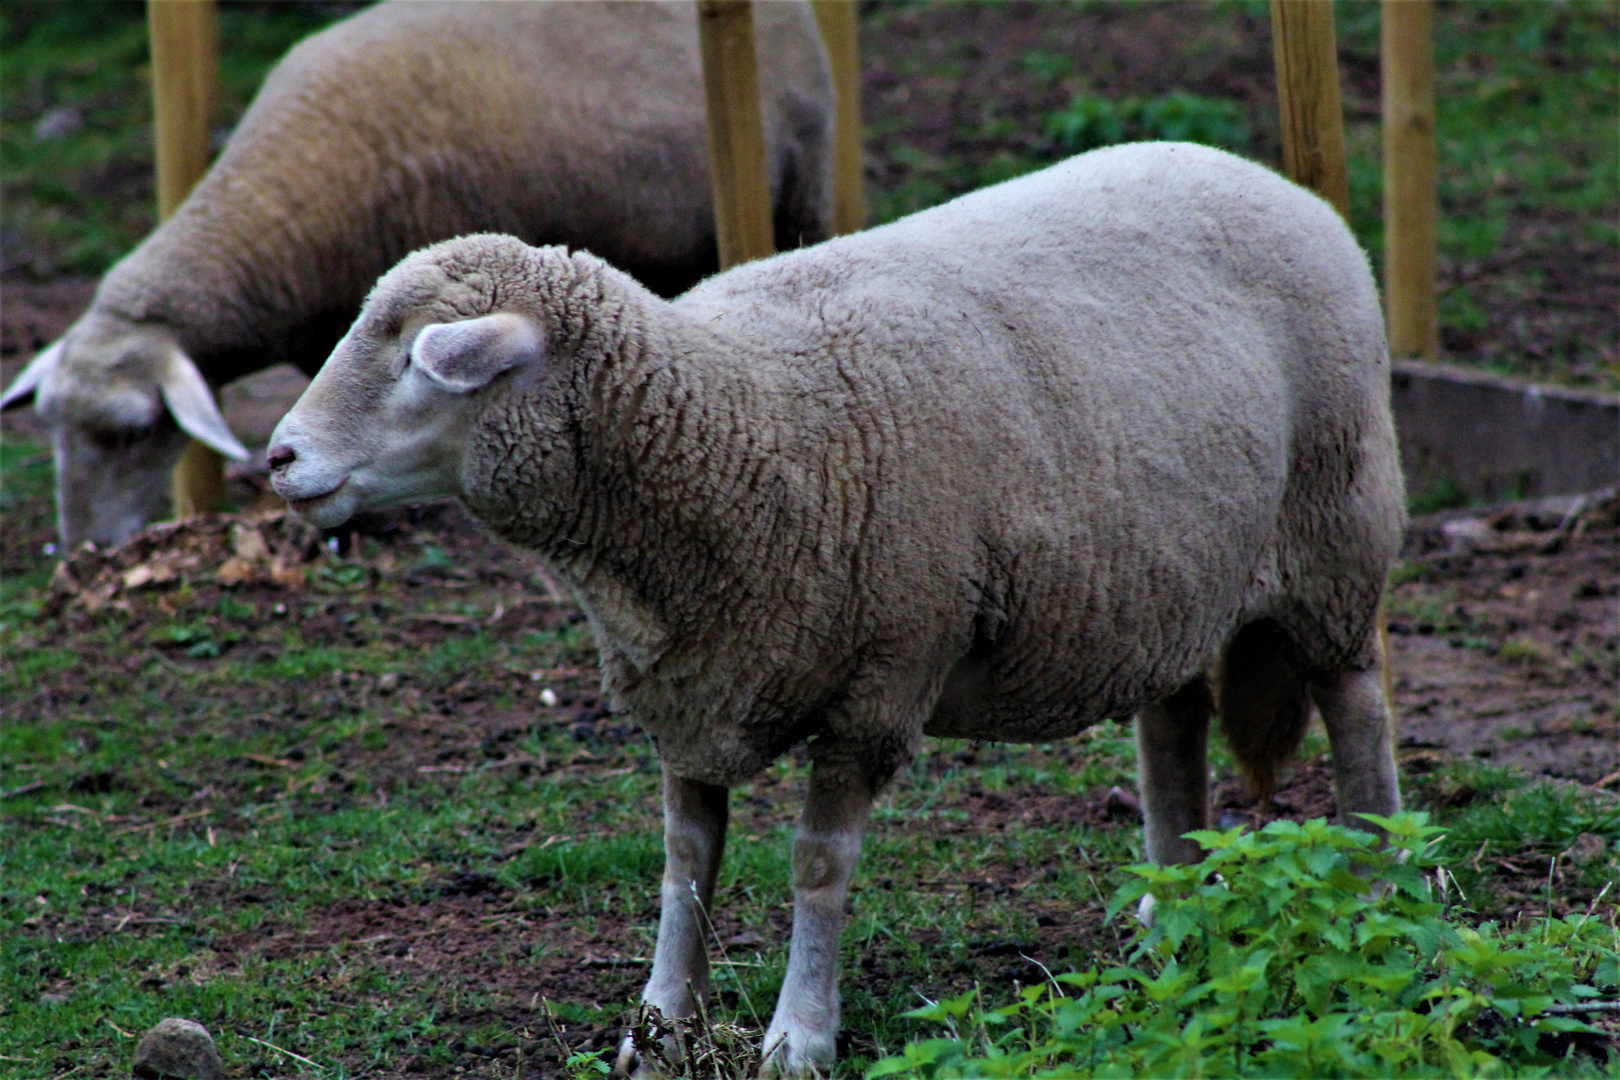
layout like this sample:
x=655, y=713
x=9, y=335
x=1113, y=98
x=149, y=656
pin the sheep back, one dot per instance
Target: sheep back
x=1087, y=424
x=578, y=124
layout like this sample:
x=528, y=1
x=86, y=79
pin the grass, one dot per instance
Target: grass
x=1528, y=131
x=76, y=115
x=331, y=840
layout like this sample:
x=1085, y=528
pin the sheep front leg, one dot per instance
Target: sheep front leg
x=803, y=1033
x=694, y=840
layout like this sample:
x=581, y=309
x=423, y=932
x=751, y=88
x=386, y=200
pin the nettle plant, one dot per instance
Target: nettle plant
x=1278, y=955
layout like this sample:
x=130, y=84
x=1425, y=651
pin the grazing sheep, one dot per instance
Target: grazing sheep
x=562, y=123
x=1000, y=470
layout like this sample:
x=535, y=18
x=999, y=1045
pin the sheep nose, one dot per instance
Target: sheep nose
x=279, y=457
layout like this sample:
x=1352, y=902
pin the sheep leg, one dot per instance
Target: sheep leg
x=1172, y=761
x=1361, y=736
x=803, y=1033
x=694, y=840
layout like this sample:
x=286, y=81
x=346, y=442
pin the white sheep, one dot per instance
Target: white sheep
x=1000, y=470
x=577, y=124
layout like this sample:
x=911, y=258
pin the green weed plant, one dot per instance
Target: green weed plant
x=1091, y=121
x=1297, y=951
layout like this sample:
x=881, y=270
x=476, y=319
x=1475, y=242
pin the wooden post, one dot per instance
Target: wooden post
x=185, y=78
x=1410, y=204
x=1308, y=98
x=742, y=189
x=1303, y=43
x=841, y=35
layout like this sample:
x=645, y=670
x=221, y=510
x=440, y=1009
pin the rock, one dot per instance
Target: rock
x=61, y=121
x=1467, y=535
x=1587, y=848
x=1121, y=803
x=178, y=1048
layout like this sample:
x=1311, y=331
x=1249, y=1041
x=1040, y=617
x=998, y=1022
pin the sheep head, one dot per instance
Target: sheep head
x=121, y=399
x=387, y=419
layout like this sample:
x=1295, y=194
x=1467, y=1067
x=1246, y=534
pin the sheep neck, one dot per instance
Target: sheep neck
x=661, y=477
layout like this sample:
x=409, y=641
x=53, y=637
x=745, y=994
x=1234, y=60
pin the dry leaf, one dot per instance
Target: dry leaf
x=63, y=583
x=235, y=570
x=248, y=542
x=147, y=574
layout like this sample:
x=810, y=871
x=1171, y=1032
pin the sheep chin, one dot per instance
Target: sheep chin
x=330, y=510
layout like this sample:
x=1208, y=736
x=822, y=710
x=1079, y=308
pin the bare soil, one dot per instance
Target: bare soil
x=1503, y=633
x=1504, y=646
x=948, y=89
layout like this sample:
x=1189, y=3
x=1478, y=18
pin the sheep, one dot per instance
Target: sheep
x=1000, y=470
x=579, y=124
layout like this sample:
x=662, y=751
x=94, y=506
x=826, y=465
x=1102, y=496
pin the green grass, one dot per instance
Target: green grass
x=77, y=202
x=184, y=831
x=1528, y=131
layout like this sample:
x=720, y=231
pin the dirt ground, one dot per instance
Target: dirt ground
x=1503, y=624
x=1504, y=640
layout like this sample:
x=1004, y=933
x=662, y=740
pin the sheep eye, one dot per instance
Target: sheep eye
x=113, y=440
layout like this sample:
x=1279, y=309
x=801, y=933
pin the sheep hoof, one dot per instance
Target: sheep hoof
x=1144, y=910
x=788, y=1058
x=628, y=1064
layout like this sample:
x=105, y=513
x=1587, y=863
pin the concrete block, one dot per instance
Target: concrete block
x=1497, y=438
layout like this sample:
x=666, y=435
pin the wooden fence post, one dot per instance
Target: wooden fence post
x=841, y=35
x=1410, y=203
x=185, y=79
x=742, y=190
x=1308, y=98
x=1303, y=42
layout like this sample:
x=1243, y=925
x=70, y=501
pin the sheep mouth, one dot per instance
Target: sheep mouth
x=304, y=505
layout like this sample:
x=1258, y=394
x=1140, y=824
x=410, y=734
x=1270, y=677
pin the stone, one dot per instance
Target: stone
x=178, y=1048
x=1587, y=848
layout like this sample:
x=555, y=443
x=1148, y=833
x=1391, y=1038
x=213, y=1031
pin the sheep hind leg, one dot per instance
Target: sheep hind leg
x=1172, y=760
x=1361, y=737
x=694, y=840
x=802, y=1038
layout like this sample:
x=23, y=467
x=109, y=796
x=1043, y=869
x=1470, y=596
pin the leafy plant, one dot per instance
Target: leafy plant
x=1090, y=121
x=1300, y=950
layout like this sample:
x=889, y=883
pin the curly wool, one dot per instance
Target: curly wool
x=999, y=470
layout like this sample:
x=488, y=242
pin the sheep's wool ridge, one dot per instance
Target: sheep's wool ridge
x=998, y=470
x=1037, y=457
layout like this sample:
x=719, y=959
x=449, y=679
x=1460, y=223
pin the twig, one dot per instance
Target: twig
x=1589, y=1007
x=177, y=819
x=442, y=618
x=170, y=664
x=614, y=961
x=26, y=789
x=289, y=1053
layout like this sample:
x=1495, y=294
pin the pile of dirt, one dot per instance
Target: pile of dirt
x=227, y=549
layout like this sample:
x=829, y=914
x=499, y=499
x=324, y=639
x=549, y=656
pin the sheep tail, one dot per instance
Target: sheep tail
x=1264, y=702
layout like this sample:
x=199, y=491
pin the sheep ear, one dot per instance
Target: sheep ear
x=186, y=394
x=463, y=356
x=27, y=381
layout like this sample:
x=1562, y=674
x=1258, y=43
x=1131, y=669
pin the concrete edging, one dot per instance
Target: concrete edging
x=1497, y=438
